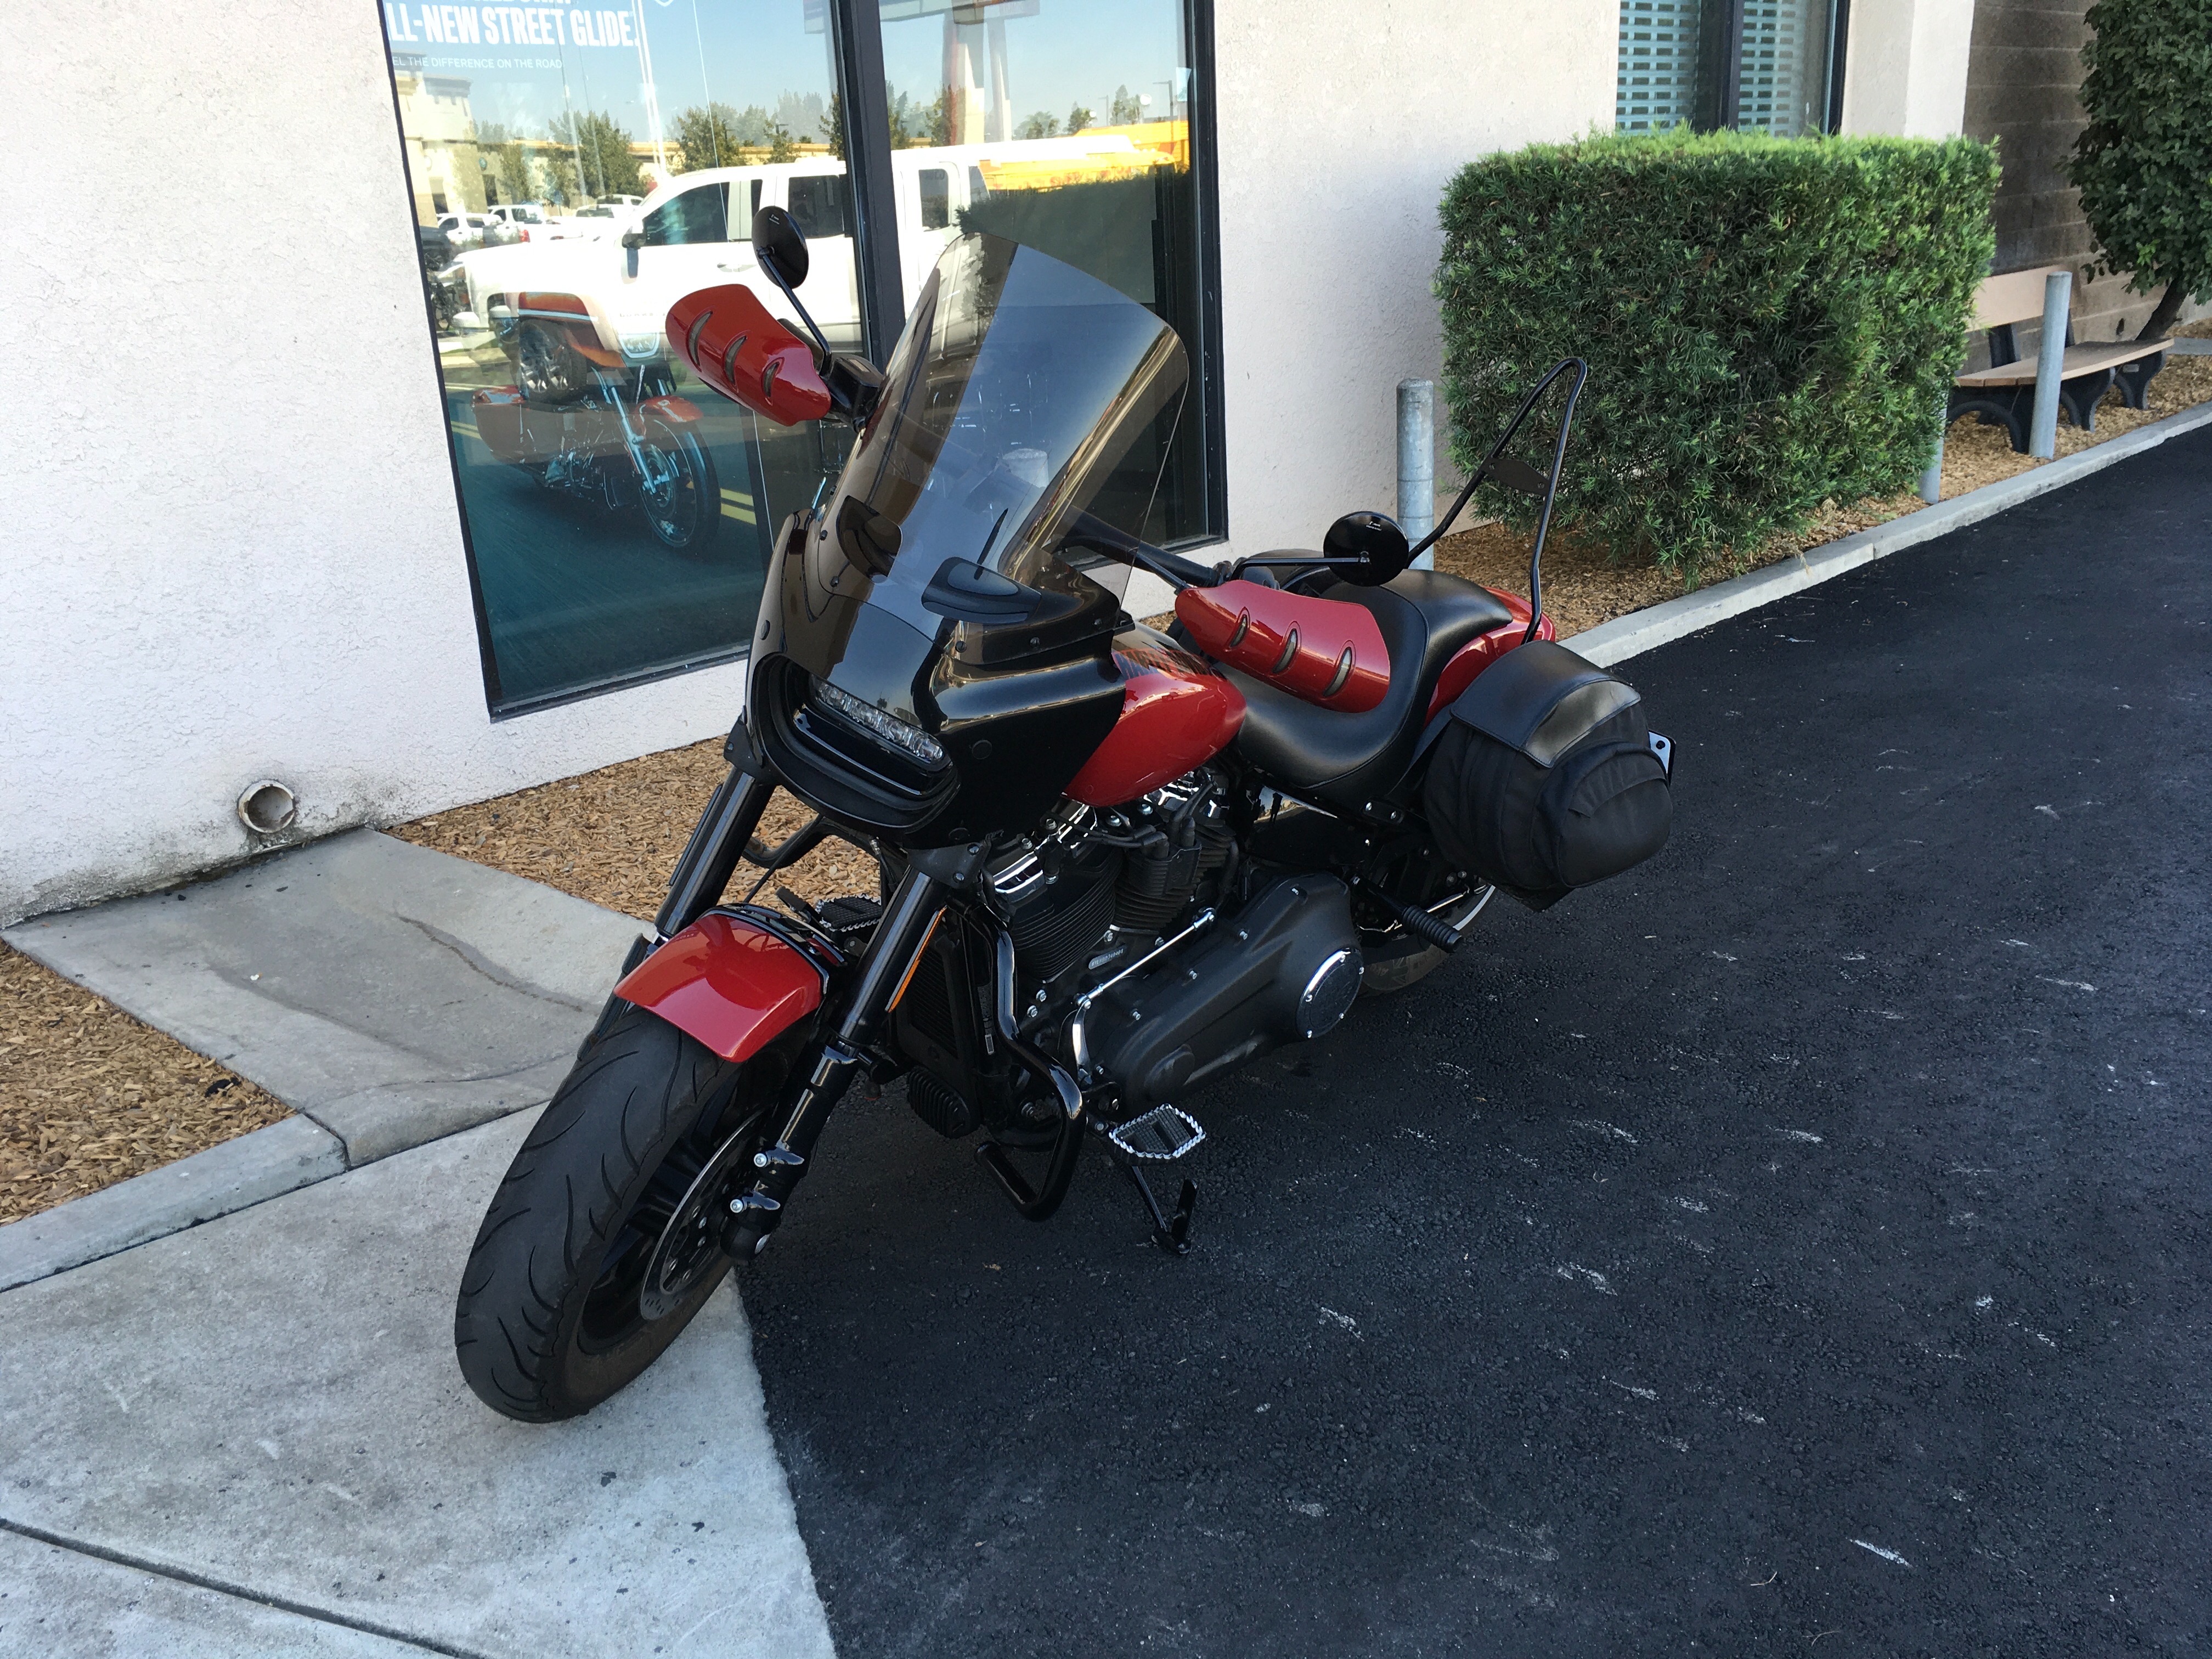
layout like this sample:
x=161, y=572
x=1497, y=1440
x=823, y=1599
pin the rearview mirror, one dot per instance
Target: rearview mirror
x=633, y=239
x=1379, y=547
x=781, y=246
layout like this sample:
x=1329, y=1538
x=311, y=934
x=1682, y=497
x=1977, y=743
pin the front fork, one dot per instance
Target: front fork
x=852, y=1030
x=854, y=1023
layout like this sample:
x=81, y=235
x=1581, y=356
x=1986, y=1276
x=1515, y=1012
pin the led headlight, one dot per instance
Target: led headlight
x=909, y=740
x=639, y=345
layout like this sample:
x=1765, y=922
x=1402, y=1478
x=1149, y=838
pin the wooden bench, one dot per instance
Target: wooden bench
x=2004, y=392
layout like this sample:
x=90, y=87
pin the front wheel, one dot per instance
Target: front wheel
x=677, y=487
x=603, y=1242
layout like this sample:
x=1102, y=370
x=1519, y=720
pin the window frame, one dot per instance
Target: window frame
x=857, y=61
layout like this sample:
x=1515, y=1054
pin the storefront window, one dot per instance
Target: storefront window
x=575, y=173
x=1066, y=125
x=1761, y=65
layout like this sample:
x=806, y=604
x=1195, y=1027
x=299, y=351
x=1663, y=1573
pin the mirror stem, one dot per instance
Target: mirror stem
x=821, y=344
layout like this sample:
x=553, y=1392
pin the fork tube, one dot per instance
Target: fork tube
x=899, y=937
x=711, y=856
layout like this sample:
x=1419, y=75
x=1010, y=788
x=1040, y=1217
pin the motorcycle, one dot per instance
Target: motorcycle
x=443, y=286
x=590, y=424
x=1115, y=862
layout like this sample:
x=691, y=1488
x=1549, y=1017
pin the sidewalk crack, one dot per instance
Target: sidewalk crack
x=239, y=1592
x=477, y=961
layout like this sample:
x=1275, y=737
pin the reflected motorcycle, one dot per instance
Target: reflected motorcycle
x=1115, y=863
x=591, y=423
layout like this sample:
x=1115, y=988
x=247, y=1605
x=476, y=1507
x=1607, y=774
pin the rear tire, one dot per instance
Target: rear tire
x=577, y=1282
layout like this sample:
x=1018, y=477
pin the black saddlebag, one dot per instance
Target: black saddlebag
x=1546, y=777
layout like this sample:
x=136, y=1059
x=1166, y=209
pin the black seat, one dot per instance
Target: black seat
x=1346, y=760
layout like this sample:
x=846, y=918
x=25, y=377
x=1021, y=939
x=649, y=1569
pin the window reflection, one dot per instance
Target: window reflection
x=1063, y=124
x=619, y=513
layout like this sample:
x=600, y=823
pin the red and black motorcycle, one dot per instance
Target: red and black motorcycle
x=1114, y=863
x=588, y=421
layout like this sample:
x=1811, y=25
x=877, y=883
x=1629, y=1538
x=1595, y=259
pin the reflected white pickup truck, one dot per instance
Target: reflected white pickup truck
x=695, y=232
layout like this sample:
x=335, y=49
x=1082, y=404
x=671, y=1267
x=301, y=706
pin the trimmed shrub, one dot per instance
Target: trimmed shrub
x=2144, y=163
x=1769, y=323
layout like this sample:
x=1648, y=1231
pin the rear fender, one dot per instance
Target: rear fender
x=729, y=982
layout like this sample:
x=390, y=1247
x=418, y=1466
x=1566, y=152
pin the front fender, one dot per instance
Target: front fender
x=729, y=982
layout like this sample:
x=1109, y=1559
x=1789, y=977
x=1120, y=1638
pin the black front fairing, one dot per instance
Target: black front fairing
x=934, y=589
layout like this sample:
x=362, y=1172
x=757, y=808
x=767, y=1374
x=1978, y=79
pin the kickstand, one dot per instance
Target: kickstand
x=1170, y=1233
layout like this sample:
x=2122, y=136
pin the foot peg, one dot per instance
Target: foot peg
x=1160, y=1135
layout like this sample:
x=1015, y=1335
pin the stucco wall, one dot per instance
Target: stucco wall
x=219, y=569
x=1905, y=69
x=1340, y=127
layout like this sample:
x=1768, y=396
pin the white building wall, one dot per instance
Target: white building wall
x=1340, y=127
x=216, y=571
x=1904, y=68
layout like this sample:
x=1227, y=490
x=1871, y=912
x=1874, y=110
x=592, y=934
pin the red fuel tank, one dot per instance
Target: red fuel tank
x=1328, y=652
x=1177, y=714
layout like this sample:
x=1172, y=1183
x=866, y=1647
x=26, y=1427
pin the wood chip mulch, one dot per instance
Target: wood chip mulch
x=89, y=1097
x=613, y=835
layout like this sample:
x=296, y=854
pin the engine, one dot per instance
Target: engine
x=1101, y=887
x=1139, y=955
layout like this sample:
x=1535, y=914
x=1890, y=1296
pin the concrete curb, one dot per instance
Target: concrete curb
x=1639, y=631
x=297, y=1153
x=263, y=1164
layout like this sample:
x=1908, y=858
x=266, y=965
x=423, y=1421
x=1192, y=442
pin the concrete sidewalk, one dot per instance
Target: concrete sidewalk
x=388, y=994
x=251, y=1439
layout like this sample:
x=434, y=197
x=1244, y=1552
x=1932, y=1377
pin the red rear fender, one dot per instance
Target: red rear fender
x=732, y=984
x=1478, y=654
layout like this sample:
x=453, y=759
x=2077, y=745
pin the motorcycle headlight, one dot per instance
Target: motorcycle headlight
x=639, y=345
x=908, y=739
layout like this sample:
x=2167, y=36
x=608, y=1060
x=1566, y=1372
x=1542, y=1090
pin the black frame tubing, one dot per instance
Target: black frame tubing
x=1551, y=484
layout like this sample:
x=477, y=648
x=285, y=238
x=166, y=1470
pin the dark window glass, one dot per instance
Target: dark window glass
x=1678, y=65
x=936, y=198
x=1072, y=129
x=817, y=206
x=696, y=215
x=619, y=513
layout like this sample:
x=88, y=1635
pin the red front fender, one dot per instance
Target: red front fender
x=734, y=985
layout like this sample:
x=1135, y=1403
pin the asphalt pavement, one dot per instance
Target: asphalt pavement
x=1798, y=1245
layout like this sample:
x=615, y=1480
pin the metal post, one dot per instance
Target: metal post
x=1931, y=480
x=1417, y=462
x=2050, y=366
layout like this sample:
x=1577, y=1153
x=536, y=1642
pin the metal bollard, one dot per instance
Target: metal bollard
x=1931, y=480
x=1417, y=462
x=2050, y=366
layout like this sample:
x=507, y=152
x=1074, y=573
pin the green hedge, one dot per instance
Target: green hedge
x=1769, y=323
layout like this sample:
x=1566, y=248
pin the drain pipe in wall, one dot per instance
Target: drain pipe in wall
x=1417, y=463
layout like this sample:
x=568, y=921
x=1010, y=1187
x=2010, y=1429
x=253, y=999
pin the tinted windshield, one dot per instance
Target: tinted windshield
x=1016, y=402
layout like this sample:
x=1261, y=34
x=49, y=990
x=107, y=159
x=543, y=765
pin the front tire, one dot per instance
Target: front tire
x=600, y=1246
x=679, y=491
